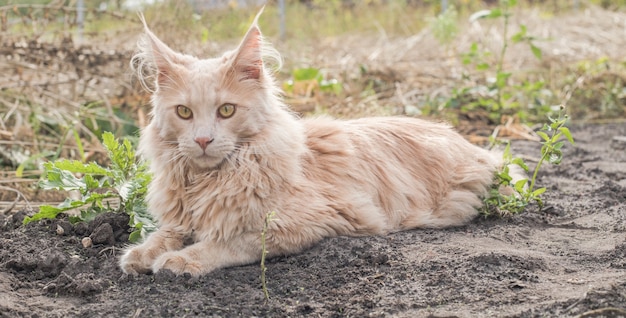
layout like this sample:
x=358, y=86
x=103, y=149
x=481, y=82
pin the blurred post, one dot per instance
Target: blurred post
x=444, y=5
x=282, y=13
x=80, y=17
x=576, y=4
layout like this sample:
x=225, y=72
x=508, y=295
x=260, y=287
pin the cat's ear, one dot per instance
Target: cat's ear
x=155, y=54
x=248, y=62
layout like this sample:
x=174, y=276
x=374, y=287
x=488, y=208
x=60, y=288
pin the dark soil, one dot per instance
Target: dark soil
x=568, y=259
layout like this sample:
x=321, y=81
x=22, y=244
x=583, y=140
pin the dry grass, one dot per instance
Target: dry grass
x=58, y=95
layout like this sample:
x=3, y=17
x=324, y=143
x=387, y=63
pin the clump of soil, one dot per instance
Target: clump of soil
x=567, y=259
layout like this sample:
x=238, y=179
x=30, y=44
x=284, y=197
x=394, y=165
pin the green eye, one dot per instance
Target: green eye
x=183, y=112
x=226, y=110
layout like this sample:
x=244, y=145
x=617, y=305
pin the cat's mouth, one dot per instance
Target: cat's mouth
x=210, y=158
x=206, y=161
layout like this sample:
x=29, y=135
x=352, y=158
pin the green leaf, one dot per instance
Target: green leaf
x=204, y=35
x=474, y=48
x=567, y=134
x=57, y=179
x=307, y=74
x=506, y=155
x=493, y=14
x=482, y=66
x=502, y=78
x=76, y=166
x=520, y=162
x=539, y=192
x=136, y=236
x=79, y=144
x=558, y=145
x=536, y=51
x=519, y=36
x=90, y=182
x=504, y=177
x=555, y=125
x=519, y=185
x=45, y=212
x=543, y=135
x=108, y=140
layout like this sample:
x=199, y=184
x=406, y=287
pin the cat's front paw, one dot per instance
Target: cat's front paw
x=179, y=263
x=138, y=260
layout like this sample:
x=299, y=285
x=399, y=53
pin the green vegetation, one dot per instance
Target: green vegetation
x=308, y=81
x=125, y=181
x=85, y=90
x=71, y=96
x=506, y=197
x=269, y=218
x=488, y=85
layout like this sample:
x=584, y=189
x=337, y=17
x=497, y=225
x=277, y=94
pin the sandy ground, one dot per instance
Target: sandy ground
x=566, y=260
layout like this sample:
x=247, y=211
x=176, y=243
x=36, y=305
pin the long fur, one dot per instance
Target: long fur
x=322, y=177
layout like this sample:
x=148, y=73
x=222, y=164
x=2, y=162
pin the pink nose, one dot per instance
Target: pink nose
x=203, y=141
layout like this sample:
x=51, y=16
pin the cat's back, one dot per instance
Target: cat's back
x=415, y=172
x=327, y=135
x=390, y=145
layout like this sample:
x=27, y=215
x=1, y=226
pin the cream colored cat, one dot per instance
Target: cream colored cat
x=225, y=151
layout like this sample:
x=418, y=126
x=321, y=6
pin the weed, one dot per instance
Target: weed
x=269, y=217
x=497, y=95
x=126, y=180
x=523, y=191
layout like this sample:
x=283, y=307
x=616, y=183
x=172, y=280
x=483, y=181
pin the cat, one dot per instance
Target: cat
x=225, y=151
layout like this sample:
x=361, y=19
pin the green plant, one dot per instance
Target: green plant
x=498, y=95
x=445, y=27
x=269, y=217
x=126, y=181
x=309, y=80
x=522, y=192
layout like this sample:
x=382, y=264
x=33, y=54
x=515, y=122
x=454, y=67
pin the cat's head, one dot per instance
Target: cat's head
x=206, y=108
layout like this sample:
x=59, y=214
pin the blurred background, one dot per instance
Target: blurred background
x=492, y=68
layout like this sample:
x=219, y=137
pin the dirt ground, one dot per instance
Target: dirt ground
x=568, y=259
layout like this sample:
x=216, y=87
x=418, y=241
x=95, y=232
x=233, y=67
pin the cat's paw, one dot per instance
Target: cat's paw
x=179, y=263
x=138, y=260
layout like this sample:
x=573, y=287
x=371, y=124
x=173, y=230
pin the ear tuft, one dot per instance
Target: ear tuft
x=153, y=59
x=253, y=53
x=248, y=61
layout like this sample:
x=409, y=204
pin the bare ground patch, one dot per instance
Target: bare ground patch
x=567, y=260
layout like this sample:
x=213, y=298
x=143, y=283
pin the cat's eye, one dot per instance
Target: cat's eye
x=226, y=110
x=184, y=112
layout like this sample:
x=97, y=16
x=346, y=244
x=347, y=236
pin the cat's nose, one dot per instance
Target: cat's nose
x=203, y=141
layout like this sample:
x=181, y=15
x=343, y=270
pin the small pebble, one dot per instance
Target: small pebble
x=60, y=230
x=87, y=242
x=618, y=142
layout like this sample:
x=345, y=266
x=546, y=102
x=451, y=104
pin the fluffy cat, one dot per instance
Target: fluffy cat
x=225, y=151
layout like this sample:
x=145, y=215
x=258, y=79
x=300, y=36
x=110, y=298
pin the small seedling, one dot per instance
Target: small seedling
x=523, y=192
x=269, y=217
x=125, y=180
